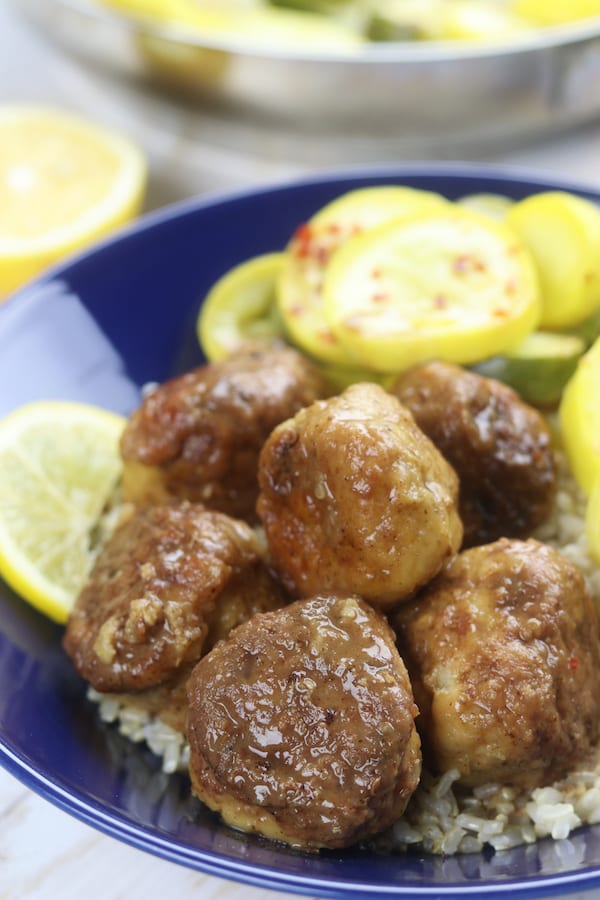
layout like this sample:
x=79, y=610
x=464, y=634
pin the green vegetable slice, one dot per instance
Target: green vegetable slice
x=539, y=367
x=449, y=284
x=405, y=20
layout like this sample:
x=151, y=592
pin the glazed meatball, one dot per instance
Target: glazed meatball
x=168, y=579
x=500, y=448
x=502, y=649
x=198, y=436
x=301, y=725
x=355, y=499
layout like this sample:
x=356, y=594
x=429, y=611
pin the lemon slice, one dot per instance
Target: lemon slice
x=64, y=182
x=241, y=307
x=299, y=290
x=59, y=465
x=448, y=284
x=579, y=414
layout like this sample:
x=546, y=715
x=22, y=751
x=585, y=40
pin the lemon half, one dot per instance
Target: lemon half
x=59, y=466
x=64, y=182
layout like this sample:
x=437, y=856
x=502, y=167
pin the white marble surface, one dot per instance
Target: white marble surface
x=44, y=853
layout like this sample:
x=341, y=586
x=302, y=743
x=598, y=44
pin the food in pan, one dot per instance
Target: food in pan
x=341, y=26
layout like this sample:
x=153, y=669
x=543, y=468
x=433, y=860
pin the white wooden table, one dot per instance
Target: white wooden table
x=44, y=853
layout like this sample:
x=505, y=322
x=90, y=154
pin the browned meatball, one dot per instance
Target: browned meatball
x=355, y=499
x=198, y=436
x=301, y=725
x=503, y=653
x=500, y=448
x=168, y=578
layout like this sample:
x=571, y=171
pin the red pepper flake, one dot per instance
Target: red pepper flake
x=322, y=254
x=296, y=310
x=333, y=228
x=353, y=323
x=510, y=287
x=302, y=238
x=573, y=663
x=440, y=301
x=500, y=313
x=328, y=337
x=376, y=273
x=380, y=297
x=465, y=263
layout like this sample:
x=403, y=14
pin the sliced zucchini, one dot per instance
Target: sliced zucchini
x=241, y=307
x=341, y=377
x=562, y=232
x=592, y=519
x=579, y=415
x=493, y=205
x=321, y=7
x=365, y=208
x=538, y=368
x=474, y=20
x=299, y=290
x=588, y=330
x=405, y=20
x=449, y=284
x=555, y=12
x=281, y=29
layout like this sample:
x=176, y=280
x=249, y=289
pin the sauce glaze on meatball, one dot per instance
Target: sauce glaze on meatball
x=355, y=499
x=503, y=653
x=499, y=446
x=169, y=579
x=197, y=437
x=301, y=725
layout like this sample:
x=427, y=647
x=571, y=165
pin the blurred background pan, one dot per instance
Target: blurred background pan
x=376, y=102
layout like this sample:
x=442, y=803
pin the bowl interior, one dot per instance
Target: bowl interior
x=97, y=329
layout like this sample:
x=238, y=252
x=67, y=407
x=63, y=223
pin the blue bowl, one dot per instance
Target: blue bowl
x=96, y=329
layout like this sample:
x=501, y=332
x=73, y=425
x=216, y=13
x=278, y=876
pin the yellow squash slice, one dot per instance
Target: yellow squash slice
x=579, y=413
x=241, y=307
x=562, y=232
x=299, y=292
x=449, y=284
x=592, y=519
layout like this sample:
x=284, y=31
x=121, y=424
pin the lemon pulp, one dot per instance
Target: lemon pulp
x=59, y=466
x=64, y=182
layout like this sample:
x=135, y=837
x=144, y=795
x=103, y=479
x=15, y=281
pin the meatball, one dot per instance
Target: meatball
x=355, y=499
x=500, y=448
x=168, y=579
x=503, y=653
x=301, y=725
x=198, y=436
